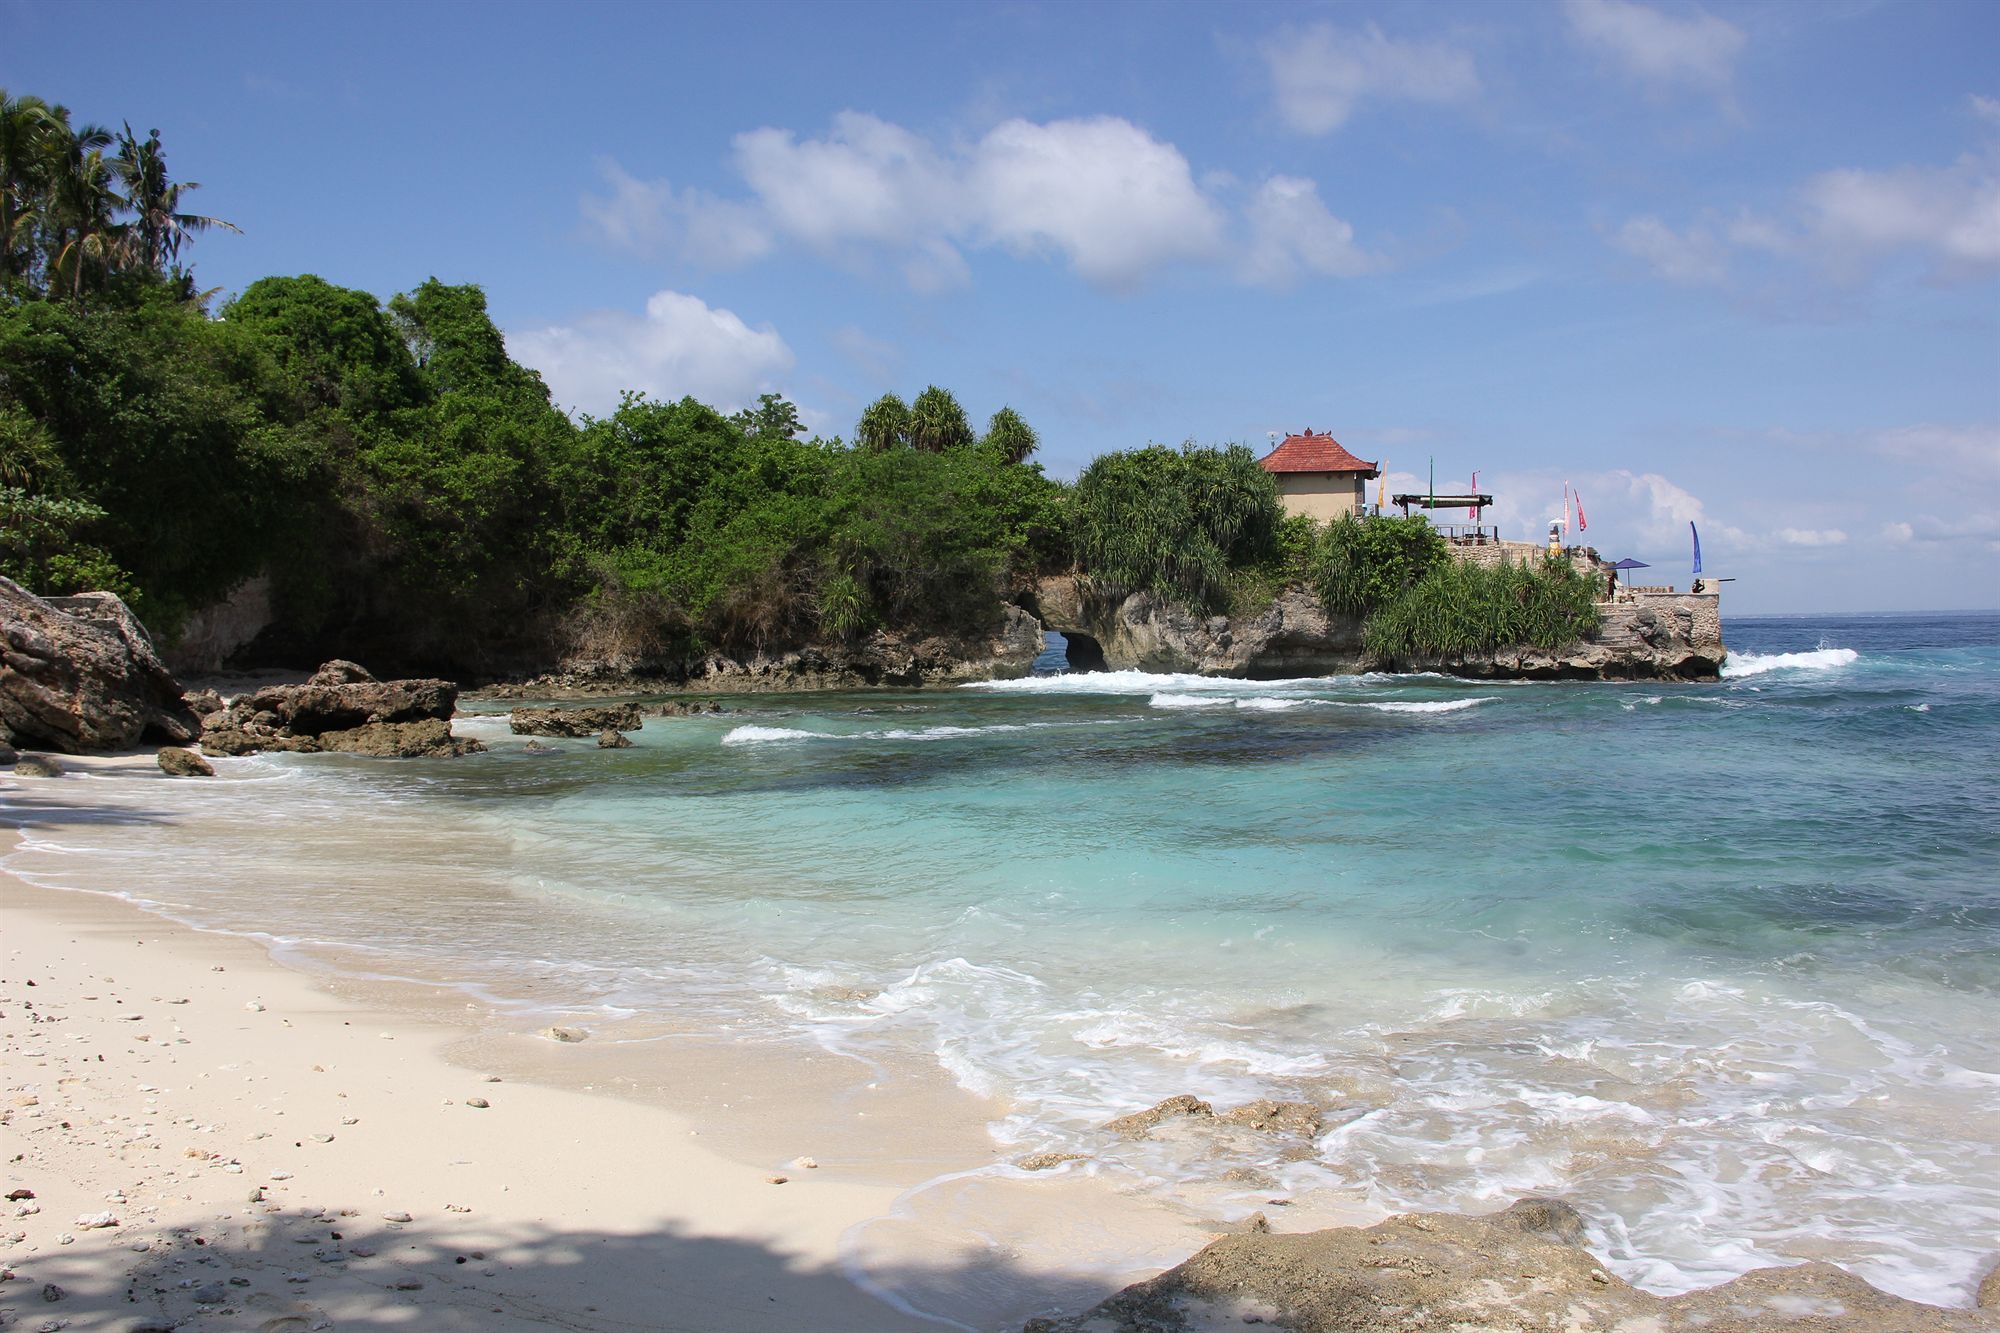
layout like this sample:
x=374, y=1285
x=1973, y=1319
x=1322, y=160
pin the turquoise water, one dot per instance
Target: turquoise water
x=1721, y=963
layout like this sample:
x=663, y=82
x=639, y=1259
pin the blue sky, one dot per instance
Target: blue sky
x=1736, y=263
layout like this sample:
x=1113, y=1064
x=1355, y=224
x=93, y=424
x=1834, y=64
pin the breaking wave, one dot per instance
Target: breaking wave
x=1756, y=664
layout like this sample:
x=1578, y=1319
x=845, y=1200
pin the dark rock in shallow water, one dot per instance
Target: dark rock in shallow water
x=341, y=708
x=1520, y=1269
x=576, y=722
x=429, y=738
x=8, y=754
x=1300, y=1118
x=612, y=740
x=176, y=762
x=37, y=766
x=80, y=673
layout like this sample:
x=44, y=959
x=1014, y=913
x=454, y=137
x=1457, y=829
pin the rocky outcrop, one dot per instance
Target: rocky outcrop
x=1007, y=650
x=1658, y=637
x=341, y=708
x=575, y=721
x=1522, y=1268
x=80, y=674
x=37, y=766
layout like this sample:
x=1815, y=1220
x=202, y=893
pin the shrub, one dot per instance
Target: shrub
x=1459, y=608
x=1176, y=522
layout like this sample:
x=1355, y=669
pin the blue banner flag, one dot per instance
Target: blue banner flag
x=1697, y=545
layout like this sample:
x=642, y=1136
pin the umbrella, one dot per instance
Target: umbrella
x=1628, y=563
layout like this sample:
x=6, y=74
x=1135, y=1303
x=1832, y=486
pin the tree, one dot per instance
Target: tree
x=1010, y=437
x=885, y=425
x=1175, y=522
x=773, y=416
x=937, y=422
x=158, y=225
x=27, y=127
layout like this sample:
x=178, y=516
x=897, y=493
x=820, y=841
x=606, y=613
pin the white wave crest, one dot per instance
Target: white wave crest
x=767, y=735
x=1148, y=683
x=1189, y=701
x=1428, y=706
x=1756, y=664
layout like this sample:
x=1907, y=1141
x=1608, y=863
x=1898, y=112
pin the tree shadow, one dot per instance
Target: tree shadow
x=59, y=803
x=295, y=1269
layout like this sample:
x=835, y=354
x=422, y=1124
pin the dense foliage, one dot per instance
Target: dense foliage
x=1177, y=522
x=1459, y=607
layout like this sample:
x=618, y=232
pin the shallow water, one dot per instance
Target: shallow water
x=1720, y=963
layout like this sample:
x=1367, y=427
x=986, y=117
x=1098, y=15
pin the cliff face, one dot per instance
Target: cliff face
x=1653, y=637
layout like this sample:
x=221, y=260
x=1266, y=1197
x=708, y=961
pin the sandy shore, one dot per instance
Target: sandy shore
x=216, y=1141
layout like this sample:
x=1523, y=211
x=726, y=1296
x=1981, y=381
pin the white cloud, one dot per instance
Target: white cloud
x=1320, y=73
x=1951, y=214
x=678, y=346
x=1968, y=457
x=652, y=218
x=1292, y=232
x=1694, y=257
x=1811, y=536
x=1099, y=193
x=1663, y=51
x=1117, y=202
x=1845, y=225
x=867, y=180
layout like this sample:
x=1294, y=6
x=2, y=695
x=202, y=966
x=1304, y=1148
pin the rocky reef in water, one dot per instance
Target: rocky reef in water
x=1525, y=1268
x=1652, y=638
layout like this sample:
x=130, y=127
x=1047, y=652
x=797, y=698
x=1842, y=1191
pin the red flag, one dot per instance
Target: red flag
x=1473, y=513
x=1581, y=521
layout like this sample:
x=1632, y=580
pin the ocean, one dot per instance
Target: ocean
x=1719, y=963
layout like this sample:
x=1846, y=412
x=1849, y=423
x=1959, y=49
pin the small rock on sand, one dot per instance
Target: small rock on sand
x=1300, y=1118
x=564, y=1034
x=37, y=766
x=396, y=1217
x=1042, y=1161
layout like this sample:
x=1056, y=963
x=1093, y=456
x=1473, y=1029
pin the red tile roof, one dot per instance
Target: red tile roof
x=1314, y=453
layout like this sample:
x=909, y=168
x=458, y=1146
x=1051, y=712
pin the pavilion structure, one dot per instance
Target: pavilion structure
x=1317, y=477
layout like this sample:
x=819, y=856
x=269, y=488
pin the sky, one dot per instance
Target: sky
x=1729, y=263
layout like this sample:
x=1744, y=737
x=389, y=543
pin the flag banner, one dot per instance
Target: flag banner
x=1382, y=489
x=1696, y=532
x=1581, y=522
x=1472, y=514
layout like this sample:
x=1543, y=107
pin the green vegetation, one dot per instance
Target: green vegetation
x=1177, y=522
x=415, y=499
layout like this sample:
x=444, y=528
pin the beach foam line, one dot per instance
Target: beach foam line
x=1148, y=683
x=1756, y=664
x=1426, y=706
x=752, y=734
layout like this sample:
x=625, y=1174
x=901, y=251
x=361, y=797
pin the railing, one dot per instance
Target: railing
x=1469, y=534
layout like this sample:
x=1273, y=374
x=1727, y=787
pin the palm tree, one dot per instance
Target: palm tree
x=77, y=222
x=884, y=425
x=937, y=422
x=159, y=227
x=25, y=128
x=1010, y=436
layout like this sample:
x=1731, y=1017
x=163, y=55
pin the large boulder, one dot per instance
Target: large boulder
x=80, y=674
x=342, y=708
x=1520, y=1269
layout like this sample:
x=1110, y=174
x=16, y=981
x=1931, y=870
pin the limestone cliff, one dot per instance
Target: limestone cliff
x=1647, y=637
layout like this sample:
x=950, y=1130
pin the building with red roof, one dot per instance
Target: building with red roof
x=1317, y=477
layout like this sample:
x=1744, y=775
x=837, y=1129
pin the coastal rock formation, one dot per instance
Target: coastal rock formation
x=341, y=708
x=1649, y=637
x=1005, y=651
x=1522, y=1268
x=576, y=722
x=79, y=674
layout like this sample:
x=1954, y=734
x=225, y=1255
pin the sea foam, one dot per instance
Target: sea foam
x=1756, y=664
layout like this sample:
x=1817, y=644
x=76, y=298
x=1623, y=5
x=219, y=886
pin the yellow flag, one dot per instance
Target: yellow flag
x=1382, y=489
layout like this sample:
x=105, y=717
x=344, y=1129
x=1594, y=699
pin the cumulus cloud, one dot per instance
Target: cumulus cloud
x=678, y=346
x=1098, y=194
x=1967, y=456
x=1102, y=192
x=1659, y=49
x=1319, y=74
x=1293, y=233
